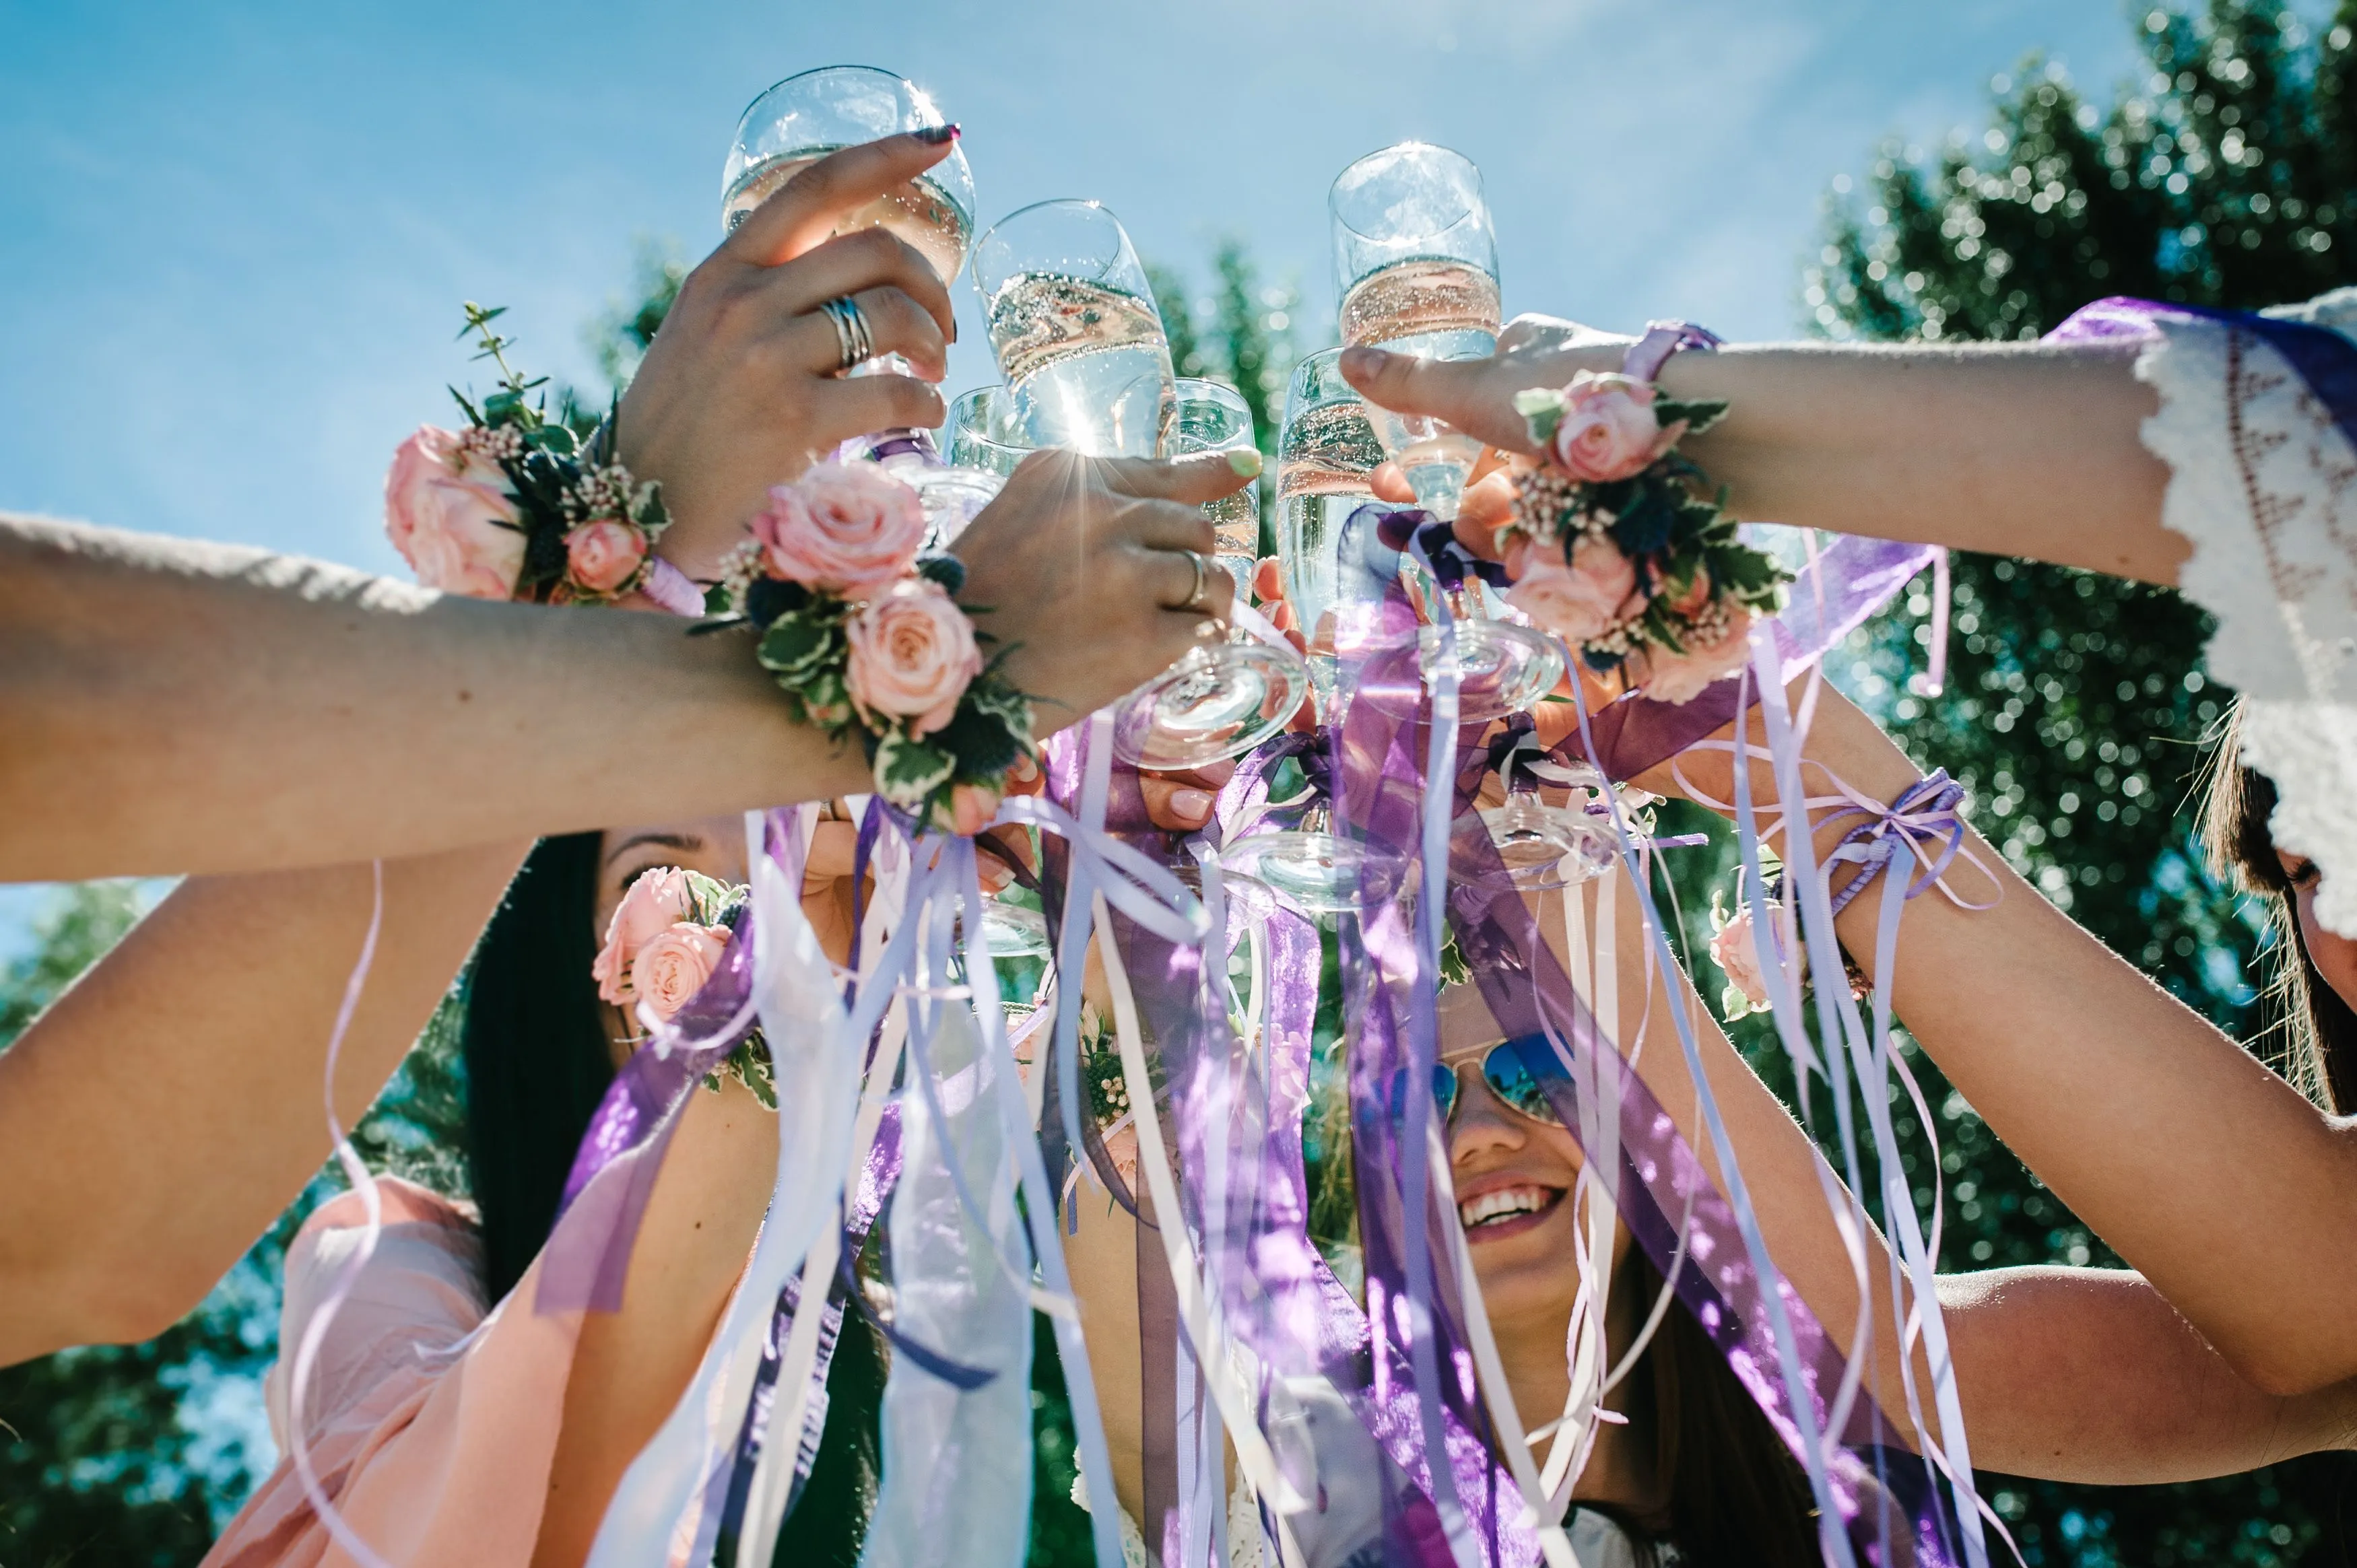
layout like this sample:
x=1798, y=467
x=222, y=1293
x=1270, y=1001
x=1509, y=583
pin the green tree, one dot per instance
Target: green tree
x=2075, y=706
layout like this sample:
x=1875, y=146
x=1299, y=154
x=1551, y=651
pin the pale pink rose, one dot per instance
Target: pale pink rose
x=912, y=655
x=603, y=555
x=654, y=903
x=444, y=510
x=1609, y=431
x=847, y=529
x=1680, y=677
x=1581, y=599
x=1735, y=948
x=674, y=964
x=970, y=808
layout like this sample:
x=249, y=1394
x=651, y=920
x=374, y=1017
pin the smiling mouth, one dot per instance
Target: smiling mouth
x=1506, y=1206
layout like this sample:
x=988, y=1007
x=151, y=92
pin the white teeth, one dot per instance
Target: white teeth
x=1502, y=1204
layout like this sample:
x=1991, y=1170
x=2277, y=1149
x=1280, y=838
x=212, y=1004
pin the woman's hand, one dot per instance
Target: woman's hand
x=1078, y=570
x=739, y=390
x=1477, y=397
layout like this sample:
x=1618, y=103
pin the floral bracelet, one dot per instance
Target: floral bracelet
x=515, y=507
x=1612, y=546
x=666, y=937
x=859, y=629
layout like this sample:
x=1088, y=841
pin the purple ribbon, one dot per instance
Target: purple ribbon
x=2325, y=360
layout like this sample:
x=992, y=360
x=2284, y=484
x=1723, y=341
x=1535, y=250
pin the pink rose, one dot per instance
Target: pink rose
x=1609, y=431
x=654, y=903
x=1735, y=948
x=602, y=556
x=1680, y=677
x=912, y=655
x=846, y=529
x=449, y=511
x=1578, y=600
x=970, y=808
x=674, y=964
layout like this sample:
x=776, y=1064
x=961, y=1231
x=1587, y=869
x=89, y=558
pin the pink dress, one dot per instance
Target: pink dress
x=431, y=1425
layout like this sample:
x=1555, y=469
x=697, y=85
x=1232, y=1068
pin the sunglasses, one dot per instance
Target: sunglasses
x=1507, y=1070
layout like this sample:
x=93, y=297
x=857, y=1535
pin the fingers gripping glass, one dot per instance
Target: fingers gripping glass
x=1231, y=690
x=1517, y=1071
x=804, y=118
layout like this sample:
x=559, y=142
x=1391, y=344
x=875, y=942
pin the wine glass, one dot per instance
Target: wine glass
x=1231, y=690
x=1541, y=847
x=1416, y=263
x=804, y=118
x=981, y=432
x=1324, y=454
x=1074, y=328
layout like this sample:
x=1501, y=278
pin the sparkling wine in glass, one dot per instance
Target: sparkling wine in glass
x=1073, y=327
x=804, y=118
x=1416, y=264
x=1324, y=454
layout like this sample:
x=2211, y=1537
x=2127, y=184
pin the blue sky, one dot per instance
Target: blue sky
x=234, y=235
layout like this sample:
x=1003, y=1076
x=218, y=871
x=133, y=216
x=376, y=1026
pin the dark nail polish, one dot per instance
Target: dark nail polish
x=935, y=135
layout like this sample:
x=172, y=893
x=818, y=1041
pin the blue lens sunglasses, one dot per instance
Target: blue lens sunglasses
x=1506, y=1069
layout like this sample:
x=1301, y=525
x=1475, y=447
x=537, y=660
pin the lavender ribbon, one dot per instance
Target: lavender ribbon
x=2325, y=360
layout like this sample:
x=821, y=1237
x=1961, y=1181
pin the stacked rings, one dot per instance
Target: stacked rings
x=852, y=341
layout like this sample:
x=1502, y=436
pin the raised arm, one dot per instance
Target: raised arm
x=2228, y=1191
x=2014, y=448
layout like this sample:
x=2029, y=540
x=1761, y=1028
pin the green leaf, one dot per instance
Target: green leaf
x=1542, y=409
x=1700, y=414
x=794, y=644
x=906, y=771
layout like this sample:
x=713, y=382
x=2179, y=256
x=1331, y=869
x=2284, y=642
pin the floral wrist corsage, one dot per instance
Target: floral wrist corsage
x=664, y=940
x=1613, y=547
x=513, y=508
x=861, y=633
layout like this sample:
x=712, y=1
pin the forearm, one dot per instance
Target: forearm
x=2015, y=449
x=2087, y=1375
x=630, y=1367
x=2207, y=1172
x=167, y=1107
x=184, y=707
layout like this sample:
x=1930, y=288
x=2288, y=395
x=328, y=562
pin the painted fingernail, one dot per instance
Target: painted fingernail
x=1190, y=803
x=1246, y=460
x=935, y=135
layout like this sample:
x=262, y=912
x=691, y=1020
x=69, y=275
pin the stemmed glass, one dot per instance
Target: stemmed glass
x=804, y=118
x=1540, y=846
x=1074, y=328
x=1324, y=454
x=981, y=432
x=1416, y=263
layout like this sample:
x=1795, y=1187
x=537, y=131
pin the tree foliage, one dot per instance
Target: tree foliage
x=2075, y=706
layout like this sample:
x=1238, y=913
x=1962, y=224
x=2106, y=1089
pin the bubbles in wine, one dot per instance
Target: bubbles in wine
x=920, y=212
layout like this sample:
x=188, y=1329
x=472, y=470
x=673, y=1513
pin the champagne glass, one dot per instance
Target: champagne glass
x=1230, y=693
x=1075, y=331
x=1417, y=264
x=1323, y=456
x=1541, y=847
x=804, y=118
x=982, y=432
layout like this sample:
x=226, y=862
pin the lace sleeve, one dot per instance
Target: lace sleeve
x=2263, y=484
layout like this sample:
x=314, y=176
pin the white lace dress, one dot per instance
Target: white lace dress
x=2264, y=484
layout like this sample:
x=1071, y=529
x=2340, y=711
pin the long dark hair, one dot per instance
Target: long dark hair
x=1729, y=1494
x=2318, y=1030
x=538, y=1060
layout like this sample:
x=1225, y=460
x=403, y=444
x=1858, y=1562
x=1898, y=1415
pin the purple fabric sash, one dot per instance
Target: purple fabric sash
x=2325, y=360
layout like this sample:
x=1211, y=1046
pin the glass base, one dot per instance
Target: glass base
x=1220, y=701
x=1315, y=873
x=1501, y=668
x=1013, y=931
x=1533, y=846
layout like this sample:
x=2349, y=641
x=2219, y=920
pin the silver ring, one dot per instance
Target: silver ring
x=853, y=342
x=1202, y=580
